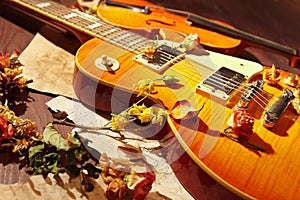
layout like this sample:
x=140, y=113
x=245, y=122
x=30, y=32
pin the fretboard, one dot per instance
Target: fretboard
x=86, y=23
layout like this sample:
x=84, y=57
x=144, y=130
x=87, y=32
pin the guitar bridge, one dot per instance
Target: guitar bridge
x=222, y=83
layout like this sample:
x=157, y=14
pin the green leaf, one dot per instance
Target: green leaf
x=53, y=138
x=51, y=162
x=34, y=150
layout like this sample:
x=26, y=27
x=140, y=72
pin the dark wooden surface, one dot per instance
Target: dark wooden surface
x=273, y=19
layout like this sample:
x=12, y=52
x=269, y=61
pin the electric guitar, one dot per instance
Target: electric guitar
x=109, y=65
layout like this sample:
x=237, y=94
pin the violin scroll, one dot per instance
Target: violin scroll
x=295, y=62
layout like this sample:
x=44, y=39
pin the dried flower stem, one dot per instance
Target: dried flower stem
x=237, y=139
x=64, y=122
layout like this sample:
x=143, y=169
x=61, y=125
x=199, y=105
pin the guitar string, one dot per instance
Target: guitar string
x=86, y=22
x=262, y=100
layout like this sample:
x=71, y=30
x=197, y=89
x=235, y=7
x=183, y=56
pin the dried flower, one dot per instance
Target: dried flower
x=4, y=60
x=242, y=123
x=145, y=87
x=118, y=122
x=143, y=113
x=184, y=110
x=20, y=131
x=8, y=60
x=271, y=76
x=116, y=190
x=6, y=130
x=110, y=173
x=11, y=81
x=140, y=183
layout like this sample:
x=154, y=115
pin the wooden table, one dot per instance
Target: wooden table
x=271, y=19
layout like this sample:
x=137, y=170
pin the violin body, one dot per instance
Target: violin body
x=158, y=17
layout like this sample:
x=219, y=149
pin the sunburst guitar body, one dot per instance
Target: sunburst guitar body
x=250, y=173
x=109, y=67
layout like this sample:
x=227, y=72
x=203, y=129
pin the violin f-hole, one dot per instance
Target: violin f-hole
x=149, y=21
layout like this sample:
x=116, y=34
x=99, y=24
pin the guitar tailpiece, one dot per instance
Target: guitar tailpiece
x=277, y=109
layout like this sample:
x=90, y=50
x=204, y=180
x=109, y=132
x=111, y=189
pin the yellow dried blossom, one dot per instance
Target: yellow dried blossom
x=145, y=86
x=21, y=144
x=22, y=82
x=118, y=122
x=24, y=130
x=146, y=115
x=136, y=110
x=142, y=113
x=12, y=72
x=2, y=75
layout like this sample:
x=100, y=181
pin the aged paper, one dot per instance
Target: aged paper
x=49, y=66
x=166, y=186
x=49, y=188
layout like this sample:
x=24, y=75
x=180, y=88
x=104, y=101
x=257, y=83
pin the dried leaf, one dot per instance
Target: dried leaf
x=53, y=138
x=60, y=115
x=184, y=110
x=169, y=79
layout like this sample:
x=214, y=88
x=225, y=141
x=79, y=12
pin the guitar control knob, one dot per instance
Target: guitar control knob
x=107, y=63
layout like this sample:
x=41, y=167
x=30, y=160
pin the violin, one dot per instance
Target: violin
x=214, y=35
x=146, y=15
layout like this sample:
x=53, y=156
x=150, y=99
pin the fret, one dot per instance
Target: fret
x=49, y=7
x=121, y=37
x=77, y=20
x=108, y=32
x=134, y=41
x=55, y=10
x=89, y=24
x=139, y=44
x=103, y=30
x=112, y=37
x=33, y=2
x=93, y=25
x=70, y=15
x=43, y=4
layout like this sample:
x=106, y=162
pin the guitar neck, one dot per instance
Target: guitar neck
x=58, y=14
